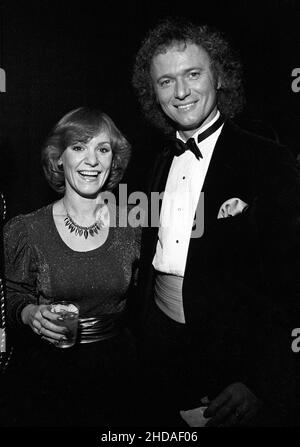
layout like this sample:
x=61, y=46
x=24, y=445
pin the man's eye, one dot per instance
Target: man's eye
x=194, y=74
x=165, y=83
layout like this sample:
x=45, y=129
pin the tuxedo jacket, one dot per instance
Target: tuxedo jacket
x=236, y=283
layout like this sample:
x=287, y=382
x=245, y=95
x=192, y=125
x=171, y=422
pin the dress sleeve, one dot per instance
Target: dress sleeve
x=20, y=270
x=137, y=240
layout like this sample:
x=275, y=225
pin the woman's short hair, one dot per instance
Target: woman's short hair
x=80, y=125
x=225, y=65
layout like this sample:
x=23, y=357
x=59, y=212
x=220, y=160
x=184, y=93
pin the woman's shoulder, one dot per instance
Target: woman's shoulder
x=21, y=233
x=26, y=223
x=126, y=225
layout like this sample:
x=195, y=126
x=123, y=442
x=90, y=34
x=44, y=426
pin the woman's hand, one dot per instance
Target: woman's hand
x=42, y=322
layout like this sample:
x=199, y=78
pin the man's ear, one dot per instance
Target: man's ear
x=219, y=84
x=156, y=97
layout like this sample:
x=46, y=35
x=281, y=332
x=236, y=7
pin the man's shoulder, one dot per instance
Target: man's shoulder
x=249, y=145
x=252, y=137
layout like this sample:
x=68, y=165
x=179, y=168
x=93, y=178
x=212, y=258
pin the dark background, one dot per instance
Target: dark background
x=61, y=55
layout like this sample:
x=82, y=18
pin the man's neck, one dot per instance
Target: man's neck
x=185, y=135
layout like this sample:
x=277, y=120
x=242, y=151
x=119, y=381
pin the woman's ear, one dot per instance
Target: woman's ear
x=60, y=164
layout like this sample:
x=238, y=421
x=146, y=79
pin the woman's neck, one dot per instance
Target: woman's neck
x=83, y=209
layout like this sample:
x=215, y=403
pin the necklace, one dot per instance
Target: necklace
x=80, y=230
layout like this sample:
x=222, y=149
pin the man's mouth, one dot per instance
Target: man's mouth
x=89, y=175
x=185, y=107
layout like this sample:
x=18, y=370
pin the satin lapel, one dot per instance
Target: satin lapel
x=224, y=180
x=161, y=171
x=157, y=184
x=223, y=174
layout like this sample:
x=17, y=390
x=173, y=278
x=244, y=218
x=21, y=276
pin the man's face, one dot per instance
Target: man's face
x=184, y=86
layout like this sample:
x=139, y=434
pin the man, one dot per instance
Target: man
x=206, y=316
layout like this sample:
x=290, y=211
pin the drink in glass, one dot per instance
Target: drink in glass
x=69, y=314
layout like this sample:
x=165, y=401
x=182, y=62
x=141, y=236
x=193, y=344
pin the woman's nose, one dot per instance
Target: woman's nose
x=91, y=158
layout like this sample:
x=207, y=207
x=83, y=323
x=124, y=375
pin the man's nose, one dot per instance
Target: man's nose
x=182, y=89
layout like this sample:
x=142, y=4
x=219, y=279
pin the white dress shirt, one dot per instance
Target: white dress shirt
x=180, y=200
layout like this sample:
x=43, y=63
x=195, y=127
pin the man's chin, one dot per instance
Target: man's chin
x=188, y=126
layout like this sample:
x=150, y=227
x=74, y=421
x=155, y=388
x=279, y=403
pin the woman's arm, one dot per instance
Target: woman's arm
x=23, y=308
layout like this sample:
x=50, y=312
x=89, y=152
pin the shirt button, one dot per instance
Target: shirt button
x=177, y=241
x=183, y=178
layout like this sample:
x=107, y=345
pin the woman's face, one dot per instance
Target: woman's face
x=87, y=165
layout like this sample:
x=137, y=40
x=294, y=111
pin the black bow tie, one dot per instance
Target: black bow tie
x=190, y=145
x=180, y=147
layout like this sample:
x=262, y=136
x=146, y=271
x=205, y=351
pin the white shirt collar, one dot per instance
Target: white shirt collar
x=202, y=129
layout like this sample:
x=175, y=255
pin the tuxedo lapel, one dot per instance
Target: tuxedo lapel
x=157, y=184
x=150, y=234
x=217, y=252
x=224, y=178
x=221, y=159
x=161, y=171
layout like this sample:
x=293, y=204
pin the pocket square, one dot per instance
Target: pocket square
x=194, y=417
x=232, y=207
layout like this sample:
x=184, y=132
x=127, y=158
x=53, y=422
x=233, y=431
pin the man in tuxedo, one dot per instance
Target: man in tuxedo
x=211, y=276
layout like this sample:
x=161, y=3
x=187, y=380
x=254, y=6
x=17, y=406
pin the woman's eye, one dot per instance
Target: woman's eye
x=77, y=147
x=104, y=149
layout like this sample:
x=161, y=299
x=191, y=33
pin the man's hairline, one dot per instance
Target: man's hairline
x=164, y=48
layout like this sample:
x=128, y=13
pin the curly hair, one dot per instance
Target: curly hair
x=80, y=125
x=224, y=65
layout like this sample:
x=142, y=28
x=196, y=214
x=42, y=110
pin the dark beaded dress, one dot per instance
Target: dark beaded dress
x=90, y=384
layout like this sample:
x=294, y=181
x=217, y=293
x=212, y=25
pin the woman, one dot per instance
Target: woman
x=72, y=250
